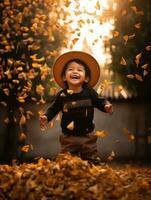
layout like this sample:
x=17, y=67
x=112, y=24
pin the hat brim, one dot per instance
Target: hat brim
x=85, y=57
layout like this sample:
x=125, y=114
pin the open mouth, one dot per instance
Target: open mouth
x=75, y=76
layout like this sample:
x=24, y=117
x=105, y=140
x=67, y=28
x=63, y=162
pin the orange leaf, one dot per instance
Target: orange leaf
x=70, y=126
x=22, y=120
x=145, y=72
x=126, y=37
x=130, y=76
x=145, y=66
x=148, y=48
x=123, y=62
x=75, y=40
x=137, y=58
x=115, y=33
x=101, y=134
x=138, y=77
x=70, y=91
x=25, y=148
x=22, y=136
x=138, y=25
x=122, y=92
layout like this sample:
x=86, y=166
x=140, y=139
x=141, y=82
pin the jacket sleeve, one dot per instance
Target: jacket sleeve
x=98, y=101
x=54, y=108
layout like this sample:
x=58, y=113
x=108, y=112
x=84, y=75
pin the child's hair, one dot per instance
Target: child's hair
x=86, y=68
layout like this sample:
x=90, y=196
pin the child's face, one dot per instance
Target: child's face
x=75, y=75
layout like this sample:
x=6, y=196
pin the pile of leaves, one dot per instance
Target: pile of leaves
x=69, y=177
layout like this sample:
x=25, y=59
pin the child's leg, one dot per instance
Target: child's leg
x=69, y=144
x=89, y=147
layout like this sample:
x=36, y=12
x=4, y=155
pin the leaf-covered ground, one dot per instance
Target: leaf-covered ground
x=69, y=177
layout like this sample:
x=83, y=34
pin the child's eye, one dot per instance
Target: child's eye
x=80, y=70
x=70, y=69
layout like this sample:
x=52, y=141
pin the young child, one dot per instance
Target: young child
x=77, y=72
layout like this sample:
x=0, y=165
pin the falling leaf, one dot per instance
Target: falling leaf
x=125, y=37
x=75, y=40
x=122, y=92
x=123, y=62
x=138, y=12
x=137, y=58
x=25, y=148
x=131, y=137
x=138, y=25
x=33, y=99
x=22, y=136
x=21, y=99
x=3, y=103
x=51, y=124
x=58, y=118
x=132, y=36
x=62, y=94
x=115, y=33
x=138, y=77
x=65, y=109
x=73, y=102
x=8, y=73
x=124, y=12
x=144, y=66
x=145, y=72
x=130, y=76
x=54, y=53
x=111, y=156
x=71, y=126
x=6, y=91
x=148, y=48
x=70, y=91
x=101, y=134
x=36, y=65
x=40, y=89
x=53, y=91
x=22, y=120
x=6, y=120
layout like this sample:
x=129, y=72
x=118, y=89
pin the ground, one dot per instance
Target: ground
x=69, y=177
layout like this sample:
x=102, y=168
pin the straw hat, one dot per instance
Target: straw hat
x=85, y=57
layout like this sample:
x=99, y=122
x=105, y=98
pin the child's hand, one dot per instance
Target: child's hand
x=109, y=108
x=43, y=122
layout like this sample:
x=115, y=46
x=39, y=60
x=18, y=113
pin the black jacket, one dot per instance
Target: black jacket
x=77, y=108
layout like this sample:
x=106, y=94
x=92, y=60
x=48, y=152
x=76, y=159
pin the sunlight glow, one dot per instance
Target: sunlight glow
x=90, y=31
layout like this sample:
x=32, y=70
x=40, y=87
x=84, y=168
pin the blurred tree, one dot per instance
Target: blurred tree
x=131, y=46
x=31, y=37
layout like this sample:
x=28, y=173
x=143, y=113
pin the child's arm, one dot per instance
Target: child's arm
x=101, y=103
x=51, y=112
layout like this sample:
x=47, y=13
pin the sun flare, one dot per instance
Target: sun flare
x=90, y=29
